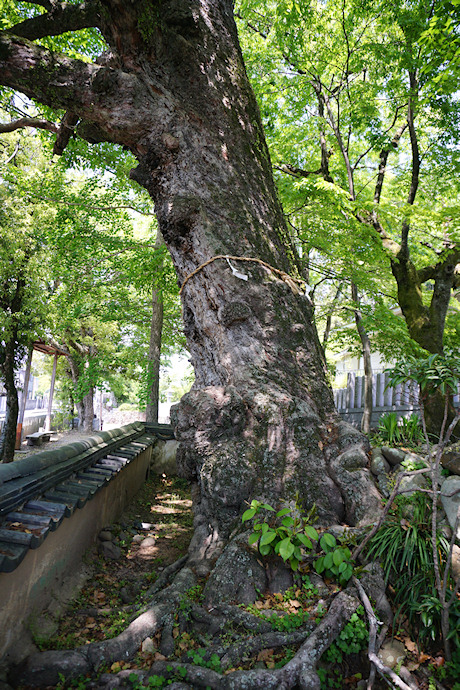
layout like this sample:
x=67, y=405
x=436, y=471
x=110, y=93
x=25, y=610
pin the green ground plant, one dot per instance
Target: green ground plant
x=287, y=535
x=406, y=430
x=337, y=563
x=403, y=545
x=352, y=640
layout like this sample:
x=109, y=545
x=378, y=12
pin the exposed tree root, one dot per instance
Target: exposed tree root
x=246, y=635
x=376, y=663
x=301, y=670
x=44, y=668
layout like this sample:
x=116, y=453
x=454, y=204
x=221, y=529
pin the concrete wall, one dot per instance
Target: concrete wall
x=31, y=587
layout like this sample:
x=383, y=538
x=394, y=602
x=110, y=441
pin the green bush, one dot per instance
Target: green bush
x=286, y=535
x=403, y=547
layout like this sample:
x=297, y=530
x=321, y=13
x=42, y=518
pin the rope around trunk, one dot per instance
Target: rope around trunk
x=289, y=280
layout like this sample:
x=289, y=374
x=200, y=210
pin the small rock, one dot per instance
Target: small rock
x=378, y=463
x=451, y=500
x=148, y=646
x=384, y=485
x=109, y=550
x=105, y=535
x=337, y=531
x=148, y=542
x=124, y=536
x=395, y=456
x=392, y=652
x=450, y=459
x=138, y=538
x=412, y=484
x=456, y=562
x=126, y=596
x=415, y=460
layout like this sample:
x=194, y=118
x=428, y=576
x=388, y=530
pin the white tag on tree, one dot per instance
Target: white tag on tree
x=236, y=273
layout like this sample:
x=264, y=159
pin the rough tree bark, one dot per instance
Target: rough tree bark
x=154, y=355
x=8, y=434
x=11, y=304
x=259, y=421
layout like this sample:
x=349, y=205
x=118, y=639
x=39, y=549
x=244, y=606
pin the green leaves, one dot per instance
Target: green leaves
x=433, y=373
x=287, y=534
x=248, y=514
x=337, y=563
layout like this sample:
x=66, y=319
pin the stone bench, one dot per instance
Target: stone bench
x=39, y=437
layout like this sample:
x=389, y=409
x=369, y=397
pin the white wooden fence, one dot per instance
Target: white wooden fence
x=402, y=399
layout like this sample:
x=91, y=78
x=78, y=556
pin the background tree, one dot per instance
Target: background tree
x=23, y=272
x=362, y=121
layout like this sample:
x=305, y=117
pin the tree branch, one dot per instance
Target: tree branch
x=28, y=122
x=90, y=91
x=59, y=19
x=426, y=273
x=296, y=172
x=66, y=129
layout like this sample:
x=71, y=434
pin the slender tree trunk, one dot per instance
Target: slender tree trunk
x=154, y=356
x=84, y=405
x=327, y=330
x=88, y=411
x=8, y=435
x=366, y=352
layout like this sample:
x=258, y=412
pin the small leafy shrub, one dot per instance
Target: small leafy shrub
x=286, y=535
x=410, y=429
x=352, y=640
x=388, y=427
x=197, y=657
x=403, y=546
x=336, y=564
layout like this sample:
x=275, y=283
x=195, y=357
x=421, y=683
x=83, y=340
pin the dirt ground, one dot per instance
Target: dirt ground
x=153, y=532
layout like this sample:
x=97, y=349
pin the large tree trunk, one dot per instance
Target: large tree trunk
x=8, y=435
x=154, y=355
x=366, y=351
x=259, y=421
